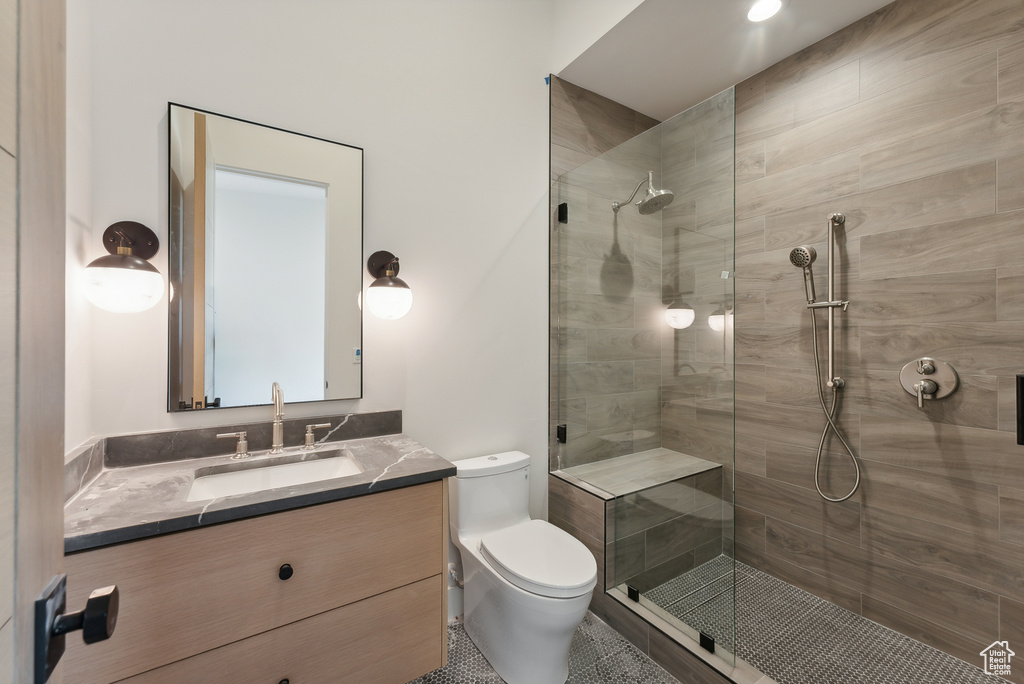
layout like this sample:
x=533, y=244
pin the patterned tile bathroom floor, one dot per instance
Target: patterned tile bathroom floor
x=795, y=637
x=599, y=655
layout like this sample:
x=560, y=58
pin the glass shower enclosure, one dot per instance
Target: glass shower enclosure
x=645, y=367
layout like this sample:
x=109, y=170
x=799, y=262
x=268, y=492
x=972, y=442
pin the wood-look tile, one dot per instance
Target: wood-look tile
x=879, y=392
x=978, y=243
x=615, y=277
x=962, y=504
x=969, y=30
x=963, y=296
x=830, y=589
x=750, y=236
x=958, y=194
x=937, y=635
x=1010, y=181
x=682, y=664
x=680, y=535
x=624, y=559
x=750, y=528
x=750, y=161
x=790, y=347
x=589, y=379
x=622, y=345
x=1011, y=515
x=570, y=345
x=640, y=511
x=988, y=564
x=749, y=93
x=787, y=424
x=622, y=410
x=587, y=122
x=1010, y=293
x=995, y=132
x=576, y=507
x=934, y=597
x=824, y=179
x=1011, y=620
x=961, y=89
x=750, y=382
x=1007, y=403
x=828, y=91
x=1011, y=72
x=750, y=455
x=564, y=160
x=947, y=450
x=795, y=465
x=750, y=309
x=799, y=506
x=971, y=348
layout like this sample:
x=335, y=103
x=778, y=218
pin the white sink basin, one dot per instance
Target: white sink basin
x=256, y=478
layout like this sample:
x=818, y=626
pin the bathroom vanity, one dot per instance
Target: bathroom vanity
x=316, y=582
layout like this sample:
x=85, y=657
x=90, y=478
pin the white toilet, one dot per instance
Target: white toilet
x=527, y=584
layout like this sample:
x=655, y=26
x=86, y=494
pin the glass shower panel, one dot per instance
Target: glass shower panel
x=648, y=408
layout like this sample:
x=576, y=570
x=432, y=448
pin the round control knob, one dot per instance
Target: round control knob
x=285, y=573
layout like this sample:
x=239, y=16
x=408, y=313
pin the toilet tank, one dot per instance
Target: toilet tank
x=490, y=492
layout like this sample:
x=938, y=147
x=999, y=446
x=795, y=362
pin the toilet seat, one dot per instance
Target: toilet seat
x=542, y=559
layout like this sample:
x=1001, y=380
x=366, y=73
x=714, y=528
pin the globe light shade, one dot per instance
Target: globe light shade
x=719, y=319
x=388, y=298
x=123, y=284
x=679, y=315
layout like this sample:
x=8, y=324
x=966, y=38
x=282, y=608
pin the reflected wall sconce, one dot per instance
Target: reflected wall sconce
x=720, y=318
x=388, y=296
x=679, y=315
x=124, y=281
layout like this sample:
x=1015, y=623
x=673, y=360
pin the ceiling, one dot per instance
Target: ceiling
x=668, y=55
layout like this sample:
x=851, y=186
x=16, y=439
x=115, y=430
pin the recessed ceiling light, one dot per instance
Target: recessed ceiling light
x=764, y=9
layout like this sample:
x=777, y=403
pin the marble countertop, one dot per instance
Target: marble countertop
x=124, y=504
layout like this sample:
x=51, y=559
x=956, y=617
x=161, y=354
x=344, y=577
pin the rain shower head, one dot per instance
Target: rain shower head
x=802, y=257
x=655, y=200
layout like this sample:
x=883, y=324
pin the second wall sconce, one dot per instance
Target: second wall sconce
x=679, y=315
x=388, y=296
x=124, y=281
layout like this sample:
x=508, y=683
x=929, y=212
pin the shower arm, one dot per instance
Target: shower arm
x=650, y=182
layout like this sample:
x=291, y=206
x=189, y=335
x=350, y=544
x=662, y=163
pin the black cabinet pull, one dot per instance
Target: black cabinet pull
x=285, y=573
x=283, y=681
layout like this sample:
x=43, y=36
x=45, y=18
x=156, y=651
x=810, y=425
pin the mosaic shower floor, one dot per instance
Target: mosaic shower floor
x=598, y=655
x=797, y=638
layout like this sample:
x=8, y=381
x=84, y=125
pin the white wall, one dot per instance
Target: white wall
x=83, y=244
x=448, y=100
x=577, y=24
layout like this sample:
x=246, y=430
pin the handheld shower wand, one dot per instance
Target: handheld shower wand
x=802, y=257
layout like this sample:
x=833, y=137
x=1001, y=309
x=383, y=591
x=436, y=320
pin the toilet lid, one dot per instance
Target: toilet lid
x=542, y=559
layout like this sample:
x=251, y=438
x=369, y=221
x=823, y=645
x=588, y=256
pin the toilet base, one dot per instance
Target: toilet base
x=525, y=637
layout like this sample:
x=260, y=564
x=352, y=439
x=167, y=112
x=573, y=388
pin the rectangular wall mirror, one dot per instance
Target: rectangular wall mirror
x=265, y=249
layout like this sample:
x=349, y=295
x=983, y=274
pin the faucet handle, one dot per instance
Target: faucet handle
x=310, y=441
x=241, y=448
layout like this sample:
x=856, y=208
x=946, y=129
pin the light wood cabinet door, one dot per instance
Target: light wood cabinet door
x=390, y=638
x=186, y=593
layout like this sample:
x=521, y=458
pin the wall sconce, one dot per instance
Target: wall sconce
x=679, y=315
x=719, y=319
x=124, y=281
x=388, y=296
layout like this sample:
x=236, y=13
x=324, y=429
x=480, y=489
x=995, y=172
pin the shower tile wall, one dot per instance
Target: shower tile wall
x=610, y=286
x=911, y=122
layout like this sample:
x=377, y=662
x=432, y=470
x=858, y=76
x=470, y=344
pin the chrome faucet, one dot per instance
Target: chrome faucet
x=277, y=443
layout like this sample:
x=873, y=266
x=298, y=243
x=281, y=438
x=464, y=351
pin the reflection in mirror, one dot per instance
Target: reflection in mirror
x=265, y=264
